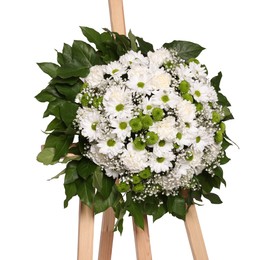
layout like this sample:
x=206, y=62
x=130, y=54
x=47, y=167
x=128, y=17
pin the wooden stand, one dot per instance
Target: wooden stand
x=142, y=239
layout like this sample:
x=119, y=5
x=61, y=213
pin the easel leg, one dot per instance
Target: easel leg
x=107, y=233
x=195, y=236
x=85, y=236
x=142, y=241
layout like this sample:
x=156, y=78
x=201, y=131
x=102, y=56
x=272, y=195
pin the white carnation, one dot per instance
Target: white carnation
x=159, y=57
x=161, y=80
x=186, y=111
x=133, y=58
x=95, y=76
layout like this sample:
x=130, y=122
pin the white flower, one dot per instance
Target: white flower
x=161, y=164
x=133, y=58
x=204, y=138
x=147, y=106
x=184, y=73
x=138, y=79
x=115, y=69
x=203, y=92
x=198, y=70
x=95, y=76
x=134, y=160
x=165, y=99
x=110, y=146
x=159, y=57
x=118, y=102
x=212, y=152
x=161, y=80
x=112, y=173
x=192, y=159
x=165, y=129
x=121, y=127
x=97, y=157
x=186, y=111
x=88, y=119
x=162, y=147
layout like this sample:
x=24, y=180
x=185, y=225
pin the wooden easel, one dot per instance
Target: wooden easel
x=142, y=240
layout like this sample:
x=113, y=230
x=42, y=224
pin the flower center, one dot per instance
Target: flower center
x=179, y=136
x=198, y=138
x=114, y=71
x=189, y=156
x=160, y=159
x=187, y=125
x=111, y=142
x=119, y=107
x=165, y=98
x=197, y=93
x=140, y=85
x=149, y=107
x=162, y=143
x=94, y=125
x=122, y=125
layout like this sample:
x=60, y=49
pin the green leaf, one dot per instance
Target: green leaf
x=73, y=70
x=53, y=108
x=70, y=192
x=227, y=113
x=225, y=144
x=133, y=40
x=58, y=175
x=98, y=178
x=196, y=195
x=68, y=112
x=213, y=198
x=46, y=155
x=186, y=50
x=49, y=68
x=205, y=179
x=144, y=46
x=55, y=124
x=161, y=210
x=86, y=168
x=60, y=142
x=48, y=94
x=176, y=206
x=85, y=191
x=84, y=54
x=215, y=81
x=225, y=159
x=222, y=100
x=107, y=185
x=92, y=36
x=101, y=203
x=71, y=174
x=70, y=92
x=137, y=213
x=69, y=81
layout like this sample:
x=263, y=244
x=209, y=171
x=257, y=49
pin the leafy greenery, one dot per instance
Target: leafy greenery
x=82, y=177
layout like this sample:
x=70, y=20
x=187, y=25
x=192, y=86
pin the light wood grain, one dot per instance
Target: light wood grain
x=85, y=236
x=195, y=236
x=142, y=241
x=117, y=16
x=107, y=233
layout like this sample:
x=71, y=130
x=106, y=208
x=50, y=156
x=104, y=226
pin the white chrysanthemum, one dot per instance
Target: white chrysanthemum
x=204, y=138
x=187, y=133
x=203, y=92
x=161, y=164
x=97, y=157
x=139, y=79
x=110, y=146
x=186, y=111
x=121, y=128
x=160, y=80
x=192, y=159
x=115, y=69
x=199, y=71
x=112, y=173
x=159, y=57
x=166, y=129
x=88, y=119
x=118, y=102
x=134, y=160
x=165, y=99
x=162, y=147
x=95, y=76
x=147, y=106
x=184, y=73
x=133, y=58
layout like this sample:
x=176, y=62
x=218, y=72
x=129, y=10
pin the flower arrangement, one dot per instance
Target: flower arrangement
x=136, y=127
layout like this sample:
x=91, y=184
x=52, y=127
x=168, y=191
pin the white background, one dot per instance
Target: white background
x=239, y=37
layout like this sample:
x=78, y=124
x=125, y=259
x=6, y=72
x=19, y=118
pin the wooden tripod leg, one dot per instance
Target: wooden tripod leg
x=195, y=236
x=142, y=241
x=117, y=16
x=107, y=232
x=85, y=236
